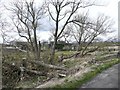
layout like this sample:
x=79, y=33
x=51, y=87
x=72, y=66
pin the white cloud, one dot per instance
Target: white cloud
x=44, y=35
x=110, y=9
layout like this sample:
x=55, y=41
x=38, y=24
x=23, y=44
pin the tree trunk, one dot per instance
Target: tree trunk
x=36, y=46
x=39, y=50
x=93, y=50
x=53, y=51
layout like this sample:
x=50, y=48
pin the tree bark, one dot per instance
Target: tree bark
x=53, y=51
x=39, y=50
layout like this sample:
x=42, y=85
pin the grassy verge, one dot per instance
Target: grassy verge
x=72, y=85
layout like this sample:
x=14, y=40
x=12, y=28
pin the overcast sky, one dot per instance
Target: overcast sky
x=110, y=9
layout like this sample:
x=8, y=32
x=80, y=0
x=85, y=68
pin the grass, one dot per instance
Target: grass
x=72, y=85
x=46, y=55
x=65, y=52
x=14, y=56
x=72, y=63
x=31, y=83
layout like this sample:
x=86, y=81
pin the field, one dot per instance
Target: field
x=39, y=76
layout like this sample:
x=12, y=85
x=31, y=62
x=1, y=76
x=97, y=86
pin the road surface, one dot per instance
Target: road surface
x=107, y=79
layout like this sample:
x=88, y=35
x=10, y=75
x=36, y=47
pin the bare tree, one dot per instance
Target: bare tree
x=26, y=18
x=4, y=30
x=86, y=31
x=62, y=12
x=5, y=26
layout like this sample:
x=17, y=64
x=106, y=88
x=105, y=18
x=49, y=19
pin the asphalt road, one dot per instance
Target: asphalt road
x=107, y=79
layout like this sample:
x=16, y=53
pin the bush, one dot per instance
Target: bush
x=11, y=75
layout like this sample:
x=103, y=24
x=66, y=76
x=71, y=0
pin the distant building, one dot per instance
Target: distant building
x=15, y=46
x=21, y=45
x=44, y=45
x=7, y=48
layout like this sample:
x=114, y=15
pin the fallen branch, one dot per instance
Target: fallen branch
x=28, y=71
x=35, y=72
x=47, y=65
x=67, y=57
x=76, y=54
x=90, y=51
